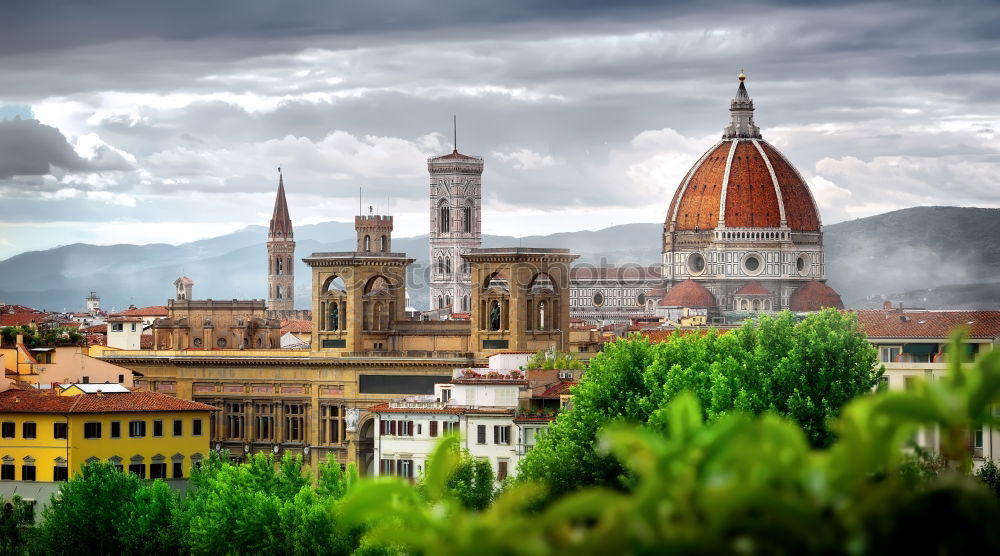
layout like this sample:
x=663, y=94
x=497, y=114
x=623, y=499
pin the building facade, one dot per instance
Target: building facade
x=48, y=434
x=455, y=227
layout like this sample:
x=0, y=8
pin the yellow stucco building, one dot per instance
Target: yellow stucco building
x=45, y=435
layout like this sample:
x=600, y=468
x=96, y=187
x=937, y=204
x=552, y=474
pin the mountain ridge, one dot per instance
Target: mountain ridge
x=868, y=259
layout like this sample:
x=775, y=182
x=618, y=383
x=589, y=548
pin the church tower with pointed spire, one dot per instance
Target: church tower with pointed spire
x=280, y=258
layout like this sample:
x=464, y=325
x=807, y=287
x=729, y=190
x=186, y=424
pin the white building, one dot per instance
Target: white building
x=125, y=332
x=479, y=405
x=911, y=344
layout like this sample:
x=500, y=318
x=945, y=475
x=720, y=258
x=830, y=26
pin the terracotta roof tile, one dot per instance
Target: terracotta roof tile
x=152, y=311
x=813, y=296
x=688, y=294
x=296, y=326
x=753, y=288
x=18, y=401
x=934, y=325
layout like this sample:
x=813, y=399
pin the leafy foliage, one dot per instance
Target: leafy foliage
x=804, y=370
x=470, y=481
x=40, y=337
x=989, y=474
x=553, y=360
x=16, y=520
x=737, y=483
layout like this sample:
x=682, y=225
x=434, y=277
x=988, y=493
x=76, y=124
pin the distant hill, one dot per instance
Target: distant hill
x=912, y=249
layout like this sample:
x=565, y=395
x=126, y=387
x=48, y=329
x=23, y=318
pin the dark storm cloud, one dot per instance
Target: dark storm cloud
x=28, y=148
x=573, y=104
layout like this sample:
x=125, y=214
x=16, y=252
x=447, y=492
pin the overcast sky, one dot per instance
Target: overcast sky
x=136, y=122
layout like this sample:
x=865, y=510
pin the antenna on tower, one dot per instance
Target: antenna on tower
x=360, y=210
x=454, y=129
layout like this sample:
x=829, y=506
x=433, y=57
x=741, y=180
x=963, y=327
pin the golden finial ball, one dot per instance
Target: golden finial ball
x=742, y=76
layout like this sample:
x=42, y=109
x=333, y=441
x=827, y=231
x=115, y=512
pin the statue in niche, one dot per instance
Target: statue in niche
x=351, y=418
x=334, y=316
x=495, y=316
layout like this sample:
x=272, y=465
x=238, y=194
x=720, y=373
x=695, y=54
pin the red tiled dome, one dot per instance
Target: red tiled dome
x=688, y=294
x=813, y=296
x=742, y=182
x=753, y=288
x=753, y=199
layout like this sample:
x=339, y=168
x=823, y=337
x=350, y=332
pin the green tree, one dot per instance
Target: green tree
x=85, y=515
x=989, y=474
x=804, y=370
x=737, y=483
x=553, y=360
x=17, y=519
x=470, y=481
x=148, y=524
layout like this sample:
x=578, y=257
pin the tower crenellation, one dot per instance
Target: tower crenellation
x=374, y=233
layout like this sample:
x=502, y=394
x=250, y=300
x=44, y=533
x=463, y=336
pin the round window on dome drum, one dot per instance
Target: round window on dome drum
x=598, y=299
x=800, y=264
x=696, y=263
x=752, y=263
x=641, y=299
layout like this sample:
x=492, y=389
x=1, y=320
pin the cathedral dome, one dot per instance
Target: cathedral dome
x=689, y=294
x=813, y=296
x=742, y=182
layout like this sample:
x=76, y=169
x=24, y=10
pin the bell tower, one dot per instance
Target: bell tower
x=280, y=258
x=455, y=222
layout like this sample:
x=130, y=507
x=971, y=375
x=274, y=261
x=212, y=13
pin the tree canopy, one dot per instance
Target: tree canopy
x=805, y=370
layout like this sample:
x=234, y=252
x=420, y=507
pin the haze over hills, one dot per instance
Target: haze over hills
x=925, y=256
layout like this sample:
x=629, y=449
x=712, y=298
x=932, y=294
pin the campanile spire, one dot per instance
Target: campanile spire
x=280, y=257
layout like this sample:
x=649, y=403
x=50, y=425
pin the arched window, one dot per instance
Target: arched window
x=277, y=292
x=368, y=244
x=444, y=218
x=465, y=304
x=440, y=265
x=440, y=302
x=383, y=245
x=277, y=266
x=744, y=305
x=447, y=267
x=467, y=219
x=756, y=305
x=447, y=301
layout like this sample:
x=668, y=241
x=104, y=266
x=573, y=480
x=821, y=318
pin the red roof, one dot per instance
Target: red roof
x=153, y=311
x=21, y=401
x=17, y=319
x=556, y=390
x=688, y=294
x=296, y=326
x=146, y=341
x=753, y=288
x=813, y=296
x=934, y=325
x=95, y=329
x=753, y=199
